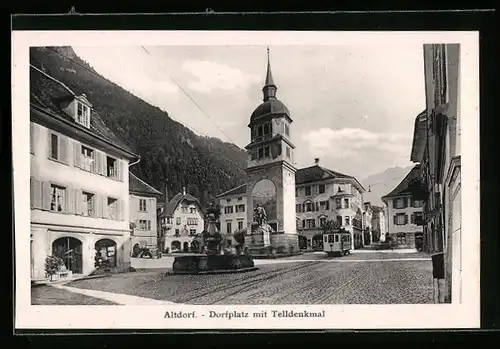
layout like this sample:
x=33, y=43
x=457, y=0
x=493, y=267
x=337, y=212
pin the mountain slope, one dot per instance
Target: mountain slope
x=382, y=183
x=170, y=152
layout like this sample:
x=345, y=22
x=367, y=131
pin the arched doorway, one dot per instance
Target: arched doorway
x=185, y=246
x=317, y=242
x=105, y=249
x=302, y=242
x=175, y=246
x=70, y=250
x=264, y=195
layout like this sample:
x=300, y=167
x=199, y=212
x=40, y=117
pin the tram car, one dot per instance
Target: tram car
x=337, y=243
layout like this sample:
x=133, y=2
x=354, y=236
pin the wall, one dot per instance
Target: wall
x=141, y=236
x=407, y=228
x=235, y=216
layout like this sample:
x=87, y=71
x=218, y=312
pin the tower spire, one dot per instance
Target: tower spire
x=269, y=88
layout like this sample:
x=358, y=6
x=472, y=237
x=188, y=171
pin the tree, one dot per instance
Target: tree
x=330, y=226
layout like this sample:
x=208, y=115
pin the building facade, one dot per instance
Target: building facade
x=143, y=216
x=379, y=226
x=405, y=213
x=367, y=223
x=181, y=219
x=234, y=208
x=79, y=182
x=321, y=195
x=436, y=147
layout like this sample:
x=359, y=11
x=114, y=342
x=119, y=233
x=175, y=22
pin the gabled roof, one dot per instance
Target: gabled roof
x=46, y=93
x=138, y=186
x=172, y=205
x=317, y=173
x=242, y=189
x=404, y=187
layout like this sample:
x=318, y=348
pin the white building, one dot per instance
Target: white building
x=405, y=215
x=79, y=181
x=181, y=219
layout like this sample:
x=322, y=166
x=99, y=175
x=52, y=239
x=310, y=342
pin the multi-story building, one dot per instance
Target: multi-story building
x=436, y=146
x=379, y=223
x=181, y=219
x=322, y=194
x=79, y=181
x=367, y=223
x=234, y=210
x=405, y=213
x=143, y=216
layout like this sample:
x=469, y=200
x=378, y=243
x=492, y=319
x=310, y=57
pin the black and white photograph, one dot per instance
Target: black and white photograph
x=246, y=179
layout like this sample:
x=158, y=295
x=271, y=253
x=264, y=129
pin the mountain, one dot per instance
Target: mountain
x=382, y=183
x=170, y=152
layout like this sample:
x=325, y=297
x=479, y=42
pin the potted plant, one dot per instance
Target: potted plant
x=52, y=265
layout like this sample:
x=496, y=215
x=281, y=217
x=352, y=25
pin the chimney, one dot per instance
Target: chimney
x=183, y=190
x=165, y=193
x=316, y=161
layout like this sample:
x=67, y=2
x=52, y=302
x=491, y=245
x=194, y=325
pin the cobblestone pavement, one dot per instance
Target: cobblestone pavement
x=46, y=295
x=321, y=281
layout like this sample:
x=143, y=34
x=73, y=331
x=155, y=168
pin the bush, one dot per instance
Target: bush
x=53, y=264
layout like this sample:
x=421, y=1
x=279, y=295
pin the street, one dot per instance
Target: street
x=360, y=278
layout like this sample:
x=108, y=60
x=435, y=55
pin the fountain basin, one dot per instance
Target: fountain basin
x=212, y=264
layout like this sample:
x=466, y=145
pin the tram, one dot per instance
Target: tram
x=337, y=243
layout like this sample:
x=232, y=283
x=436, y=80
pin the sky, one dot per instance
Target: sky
x=353, y=107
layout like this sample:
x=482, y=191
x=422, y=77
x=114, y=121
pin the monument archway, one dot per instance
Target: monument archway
x=264, y=194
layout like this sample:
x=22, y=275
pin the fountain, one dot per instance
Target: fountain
x=213, y=258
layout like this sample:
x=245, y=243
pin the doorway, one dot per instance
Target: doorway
x=69, y=249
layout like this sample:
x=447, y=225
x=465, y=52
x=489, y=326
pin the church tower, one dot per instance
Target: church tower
x=270, y=167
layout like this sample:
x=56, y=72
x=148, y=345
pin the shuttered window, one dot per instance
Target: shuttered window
x=58, y=147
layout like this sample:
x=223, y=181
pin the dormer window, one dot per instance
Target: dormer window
x=82, y=114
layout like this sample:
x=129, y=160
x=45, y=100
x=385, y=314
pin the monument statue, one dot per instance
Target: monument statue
x=260, y=215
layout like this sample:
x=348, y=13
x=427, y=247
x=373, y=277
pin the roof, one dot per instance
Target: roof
x=46, y=92
x=404, y=187
x=175, y=201
x=419, y=137
x=241, y=189
x=137, y=185
x=272, y=106
x=318, y=173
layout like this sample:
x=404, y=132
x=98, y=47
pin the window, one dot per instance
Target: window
x=399, y=203
x=192, y=221
x=338, y=203
x=240, y=208
x=178, y=221
x=417, y=218
x=111, y=167
x=308, y=190
x=346, y=203
x=310, y=223
x=57, y=199
x=192, y=209
x=192, y=231
x=54, y=146
x=417, y=203
x=228, y=209
x=88, y=203
x=296, y=192
x=336, y=237
x=266, y=128
x=112, y=208
x=261, y=153
x=288, y=153
x=177, y=233
x=228, y=201
x=287, y=130
x=240, y=225
x=266, y=151
x=324, y=205
x=401, y=238
x=321, y=188
x=87, y=159
x=240, y=198
x=400, y=219
x=144, y=224
x=309, y=207
x=142, y=205
x=83, y=114
x=347, y=220
x=339, y=220
x=184, y=209
x=259, y=131
x=298, y=208
x=229, y=227
x=322, y=221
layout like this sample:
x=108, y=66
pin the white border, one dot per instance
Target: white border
x=465, y=315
